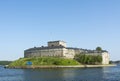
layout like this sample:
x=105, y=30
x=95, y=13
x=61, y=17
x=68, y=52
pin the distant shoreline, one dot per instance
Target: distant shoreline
x=59, y=66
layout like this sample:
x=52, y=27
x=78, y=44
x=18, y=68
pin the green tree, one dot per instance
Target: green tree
x=88, y=59
x=99, y=49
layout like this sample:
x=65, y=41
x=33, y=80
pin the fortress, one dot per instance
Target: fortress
x=59, y=49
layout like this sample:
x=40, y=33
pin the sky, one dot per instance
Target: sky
x=81, y=23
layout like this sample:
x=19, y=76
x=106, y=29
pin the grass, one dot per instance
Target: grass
x=44, y=61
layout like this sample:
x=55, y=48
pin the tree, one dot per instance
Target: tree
x=88, y=59
x=99, y=49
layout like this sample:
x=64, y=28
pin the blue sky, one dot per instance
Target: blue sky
x=81, y=23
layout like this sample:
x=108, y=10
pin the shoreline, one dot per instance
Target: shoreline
x=59, y=66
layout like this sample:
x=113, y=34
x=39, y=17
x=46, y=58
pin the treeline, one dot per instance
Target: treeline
x=115, y=62
x=5, y=62
x=88, y=59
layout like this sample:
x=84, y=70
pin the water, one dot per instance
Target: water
x=63, y=74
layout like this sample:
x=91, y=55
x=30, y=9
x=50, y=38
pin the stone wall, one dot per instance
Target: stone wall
x=63, y=52
x=68, y=53
x=56, y=43
x=105, y=57
x=45, y=52
x=78, y=51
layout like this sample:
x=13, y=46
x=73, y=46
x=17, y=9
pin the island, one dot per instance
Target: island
x=56, y=55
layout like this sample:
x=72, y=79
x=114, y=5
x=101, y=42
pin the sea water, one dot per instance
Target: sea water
x=61, y=74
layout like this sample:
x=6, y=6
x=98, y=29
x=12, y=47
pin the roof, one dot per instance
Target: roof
x=56, y=41
x=43, y=48
x=55, y=47
x=86, y=50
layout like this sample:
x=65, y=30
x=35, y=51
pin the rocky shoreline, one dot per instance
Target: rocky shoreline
x=59, y=66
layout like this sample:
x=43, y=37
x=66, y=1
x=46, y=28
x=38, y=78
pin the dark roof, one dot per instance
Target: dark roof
x=41, y=48
x=56, y=41
x=55, y=47
x=86, y=50
x=74, y=48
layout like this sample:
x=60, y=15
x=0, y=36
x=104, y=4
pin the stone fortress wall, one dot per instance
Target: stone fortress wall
x=44, y=52
x=59, y=49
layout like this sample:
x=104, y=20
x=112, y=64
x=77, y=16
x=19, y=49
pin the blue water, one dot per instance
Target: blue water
x=63, y=74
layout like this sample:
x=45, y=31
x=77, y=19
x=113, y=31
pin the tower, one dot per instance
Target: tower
x=56, y=43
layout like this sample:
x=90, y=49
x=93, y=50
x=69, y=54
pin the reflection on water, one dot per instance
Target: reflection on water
x=63, y=74
x=66, y=74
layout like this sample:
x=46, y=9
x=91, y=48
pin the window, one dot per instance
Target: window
x=52, y=45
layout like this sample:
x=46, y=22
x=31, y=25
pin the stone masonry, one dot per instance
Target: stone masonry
x=59, y=49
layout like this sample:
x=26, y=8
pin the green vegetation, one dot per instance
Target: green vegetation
x=44, y=61
x=88, y=59
x=5, y=62
x=79, y=59
x=115, y=62
x=99, y=49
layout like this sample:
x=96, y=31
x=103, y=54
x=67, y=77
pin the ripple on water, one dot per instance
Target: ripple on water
x=63, y=74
